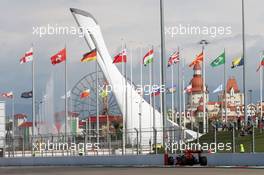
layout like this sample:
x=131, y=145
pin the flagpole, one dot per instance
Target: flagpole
x=244, y=67
x=154, y=109
x=260, y=82
x=162, y=73
x=191, y=115
x=204, y=101
x=183, y=99
x=141, y=99
x=225, y=88
x=125, y=94
x=124, y=107
x=70, y=104
x=131, y=82
x=172, y=93
x=175, y=93
x=13, y=115
x=66, y=106
x=172, y=97
x=150, y=94
x=203, y=43
x=97, y=106
x=222, y=95
x=33, y=96
x=180, y=96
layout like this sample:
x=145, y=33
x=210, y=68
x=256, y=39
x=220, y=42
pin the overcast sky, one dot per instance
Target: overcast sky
x=137, y=22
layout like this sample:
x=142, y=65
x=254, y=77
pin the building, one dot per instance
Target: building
x=195, y=95
x=234, y=101
x=215, y=109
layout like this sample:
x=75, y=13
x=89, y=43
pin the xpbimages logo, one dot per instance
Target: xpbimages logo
x=212, y=31
x=141, y=89
x=210, y=147
x=55, y=29
x=63, y=146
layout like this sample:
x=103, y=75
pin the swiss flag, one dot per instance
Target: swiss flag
x=121, y=57
x=59, y=57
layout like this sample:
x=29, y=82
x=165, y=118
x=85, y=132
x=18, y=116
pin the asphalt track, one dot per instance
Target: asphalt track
x=126, y=171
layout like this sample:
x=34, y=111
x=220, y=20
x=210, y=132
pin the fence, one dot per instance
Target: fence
x=148, y=141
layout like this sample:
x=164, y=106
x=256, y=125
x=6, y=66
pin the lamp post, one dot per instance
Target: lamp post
x=204, y=43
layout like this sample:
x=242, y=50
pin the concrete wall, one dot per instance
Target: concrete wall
x=229, y=159
x=139, y=160
x=223, y=159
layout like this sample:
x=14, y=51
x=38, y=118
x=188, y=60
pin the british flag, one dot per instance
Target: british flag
x=174, y=58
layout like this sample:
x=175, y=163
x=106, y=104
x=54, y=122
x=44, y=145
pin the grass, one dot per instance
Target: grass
x=226, y=137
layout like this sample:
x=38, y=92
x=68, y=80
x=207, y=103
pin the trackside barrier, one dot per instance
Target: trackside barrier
x=217, y=159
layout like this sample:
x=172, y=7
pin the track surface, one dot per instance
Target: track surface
x=126, y=171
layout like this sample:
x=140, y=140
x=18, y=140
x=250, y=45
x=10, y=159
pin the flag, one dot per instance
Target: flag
x=188, y=89
x=121, y=57
x=171, y=89
x=198, y=58
x=103, y=93
x=174, y=58
x=148, y=58
x=27, y=57
x=237, y=62
x=68, y=94
x=28, y=94
x=261, y=63
x=218, y=89
x=85, y=93
x=89, y=56
x=7, y=94
x=155, y=92
x=219, y=60
x=58, y=57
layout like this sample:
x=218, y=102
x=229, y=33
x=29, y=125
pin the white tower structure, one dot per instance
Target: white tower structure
x=94, y=39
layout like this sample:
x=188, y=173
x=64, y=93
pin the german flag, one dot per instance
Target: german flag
x=90, y=56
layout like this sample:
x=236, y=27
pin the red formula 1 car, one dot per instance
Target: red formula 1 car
x=188, y=158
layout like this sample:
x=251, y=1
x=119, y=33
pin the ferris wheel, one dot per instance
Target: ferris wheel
x=86, y=105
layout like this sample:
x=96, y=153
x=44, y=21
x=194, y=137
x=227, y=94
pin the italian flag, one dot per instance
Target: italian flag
x=148, y=58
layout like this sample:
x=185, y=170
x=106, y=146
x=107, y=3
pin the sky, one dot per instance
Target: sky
x=137, y=22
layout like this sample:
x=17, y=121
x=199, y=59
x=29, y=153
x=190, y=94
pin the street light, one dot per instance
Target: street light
x=204, y=43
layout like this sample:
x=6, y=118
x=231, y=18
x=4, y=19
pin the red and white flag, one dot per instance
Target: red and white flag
x=27, y=57
x=7, y=94
x=121, y=57
x=58, y=57
x=174, y=58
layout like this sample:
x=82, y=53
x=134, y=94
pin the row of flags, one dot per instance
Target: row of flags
x=122, y=57
x=27, y=94
x=86, y=93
